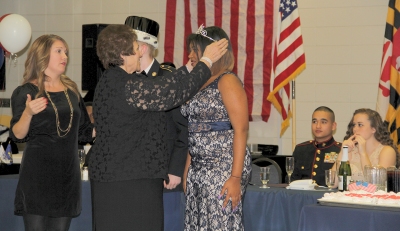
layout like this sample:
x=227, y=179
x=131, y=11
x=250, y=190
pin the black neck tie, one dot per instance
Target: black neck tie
x=143, y=73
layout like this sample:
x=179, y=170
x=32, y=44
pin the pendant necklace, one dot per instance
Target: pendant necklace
x=59, y=129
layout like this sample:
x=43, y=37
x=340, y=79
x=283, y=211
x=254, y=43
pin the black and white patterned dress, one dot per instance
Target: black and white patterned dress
x=211, y=149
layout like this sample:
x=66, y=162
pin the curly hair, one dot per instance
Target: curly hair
x=194, y=41
x=114, y=41
x=382, y=134
x=37, y=61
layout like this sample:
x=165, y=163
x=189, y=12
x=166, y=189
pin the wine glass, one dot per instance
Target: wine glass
x=289, y=166
x=82, y=156
x=264, y=176
x=330, y=177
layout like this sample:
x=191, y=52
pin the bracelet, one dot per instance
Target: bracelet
x=208, y=60
x=235, y=176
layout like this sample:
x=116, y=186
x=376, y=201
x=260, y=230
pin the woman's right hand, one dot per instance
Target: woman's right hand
x=35, y=106
x=351, y=142
x=216, y=50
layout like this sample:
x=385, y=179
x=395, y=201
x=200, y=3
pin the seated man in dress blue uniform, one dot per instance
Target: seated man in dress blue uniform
x=313, y=157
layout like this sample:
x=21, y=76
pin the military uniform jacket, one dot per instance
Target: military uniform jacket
x=311, y=159
x=177, y=132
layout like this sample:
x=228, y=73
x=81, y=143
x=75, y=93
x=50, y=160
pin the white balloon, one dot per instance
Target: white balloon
x=15, y=32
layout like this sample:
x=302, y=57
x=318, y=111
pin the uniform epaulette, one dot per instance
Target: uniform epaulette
x=305, y=143
x=167, y=68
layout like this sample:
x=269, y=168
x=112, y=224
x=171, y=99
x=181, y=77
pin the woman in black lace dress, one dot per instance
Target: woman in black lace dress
x=50, y=116
x=129, y=160
x=219, y=165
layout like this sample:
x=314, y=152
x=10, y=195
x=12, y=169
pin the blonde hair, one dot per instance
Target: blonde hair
x=38, y=60
x=152, y=50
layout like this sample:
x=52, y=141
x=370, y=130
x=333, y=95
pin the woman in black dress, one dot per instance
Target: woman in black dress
x=130, y=159
x=50, y=116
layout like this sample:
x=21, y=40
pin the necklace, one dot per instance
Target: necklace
x=59, y=129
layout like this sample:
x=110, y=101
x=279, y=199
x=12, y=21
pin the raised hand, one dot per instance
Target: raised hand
x=216, y=50
x=35, y=106
x=349, y=142
x=360, y=142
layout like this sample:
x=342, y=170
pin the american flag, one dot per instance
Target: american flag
x=249, y=25
x=389, y=84
x=289, y=59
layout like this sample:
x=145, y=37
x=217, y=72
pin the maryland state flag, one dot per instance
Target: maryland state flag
x=388, y=103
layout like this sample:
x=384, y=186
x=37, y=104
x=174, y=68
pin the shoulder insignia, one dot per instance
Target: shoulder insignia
x=305, y=143
x=167, y=68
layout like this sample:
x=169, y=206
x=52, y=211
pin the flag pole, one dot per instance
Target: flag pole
x=293, y=115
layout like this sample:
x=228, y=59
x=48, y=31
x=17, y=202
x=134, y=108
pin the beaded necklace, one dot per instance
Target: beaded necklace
x=59, y=129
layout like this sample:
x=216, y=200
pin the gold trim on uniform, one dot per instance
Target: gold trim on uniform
x=302, y=167
x=317, y=159
x=318, y=151
x=315, y=166
x=323, y=144
x=314, y=173
x=167, y=68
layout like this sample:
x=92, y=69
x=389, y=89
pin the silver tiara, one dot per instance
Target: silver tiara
x=203, y=32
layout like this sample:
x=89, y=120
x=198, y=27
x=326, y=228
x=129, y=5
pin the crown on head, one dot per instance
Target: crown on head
x=203, y=32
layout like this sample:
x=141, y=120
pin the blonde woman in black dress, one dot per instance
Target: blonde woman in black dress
x=50, y=116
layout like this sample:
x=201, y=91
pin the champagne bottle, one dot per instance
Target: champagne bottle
x=344, y=174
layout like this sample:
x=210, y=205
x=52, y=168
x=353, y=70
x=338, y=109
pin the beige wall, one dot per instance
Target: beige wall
x=343, y=43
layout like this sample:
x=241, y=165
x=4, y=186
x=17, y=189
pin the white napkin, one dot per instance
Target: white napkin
x=301, y=185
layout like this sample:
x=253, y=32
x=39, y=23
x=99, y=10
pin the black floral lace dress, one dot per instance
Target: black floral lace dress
x=210, y=146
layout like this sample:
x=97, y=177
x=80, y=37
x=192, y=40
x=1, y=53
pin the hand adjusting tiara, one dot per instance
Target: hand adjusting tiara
x=203, y=32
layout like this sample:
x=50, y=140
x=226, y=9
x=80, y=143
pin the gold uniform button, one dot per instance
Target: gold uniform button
x=323, y=144
x=317, y=159
x=154, y=74
x=315, y=166
x=314, y=173
x=318, y=151
x=302, y=167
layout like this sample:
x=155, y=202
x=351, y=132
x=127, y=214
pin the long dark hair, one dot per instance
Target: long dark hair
x=226, y=62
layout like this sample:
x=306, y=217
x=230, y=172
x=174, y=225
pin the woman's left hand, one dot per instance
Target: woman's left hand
x=360, y=142
x=233, y=192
